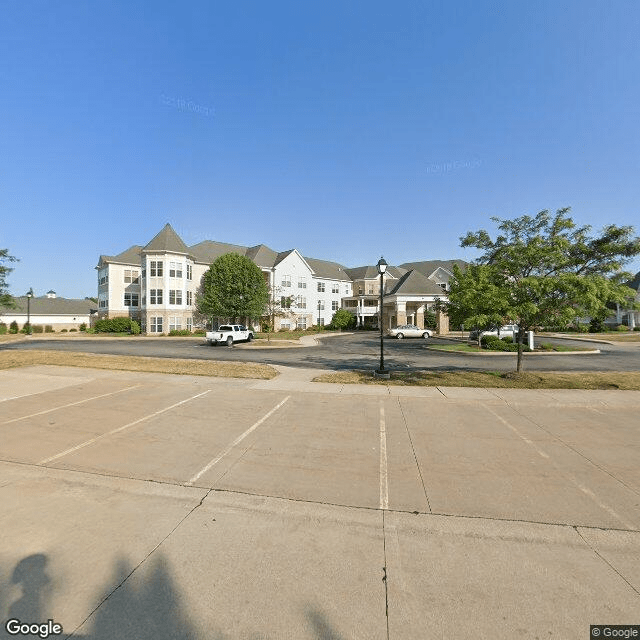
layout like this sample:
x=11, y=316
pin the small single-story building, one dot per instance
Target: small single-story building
x=50, y=310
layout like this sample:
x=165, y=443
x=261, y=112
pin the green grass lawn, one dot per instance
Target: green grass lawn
x=545, y=347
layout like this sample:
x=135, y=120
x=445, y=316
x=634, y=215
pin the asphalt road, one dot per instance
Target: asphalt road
x=356, y=351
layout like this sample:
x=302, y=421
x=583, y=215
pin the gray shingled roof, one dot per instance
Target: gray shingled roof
x=327, y=269
x=167, y=240
x=262, y=255
x=129, y=256
x=371, y=271
x=427, y=267
x=51, y=306
x=415, y=283
x=208, y=250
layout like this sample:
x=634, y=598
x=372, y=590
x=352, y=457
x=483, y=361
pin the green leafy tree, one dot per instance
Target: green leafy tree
x=542, y=270
x=6, y=300
x=343, y=319
x=233, y=287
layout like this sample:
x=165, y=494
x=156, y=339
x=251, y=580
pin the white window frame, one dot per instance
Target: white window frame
x=155, y=269
x=286, y=280
x=134, y=299
x=156, y=324
x=155, y=296
x=321, y=287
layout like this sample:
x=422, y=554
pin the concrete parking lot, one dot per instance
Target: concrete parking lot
x=154, y=506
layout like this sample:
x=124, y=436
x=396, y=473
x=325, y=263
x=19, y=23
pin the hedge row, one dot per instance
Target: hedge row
x=493, y=343
x=117, y=325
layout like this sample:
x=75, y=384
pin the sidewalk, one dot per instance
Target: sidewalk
x=301, y=380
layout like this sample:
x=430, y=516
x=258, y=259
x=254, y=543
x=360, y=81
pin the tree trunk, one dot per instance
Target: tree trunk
x=519, y=362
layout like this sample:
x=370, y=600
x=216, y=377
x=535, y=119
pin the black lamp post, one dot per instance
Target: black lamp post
x=381, y=372
x=29, y=296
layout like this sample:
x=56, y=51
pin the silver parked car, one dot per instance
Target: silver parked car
x=409, y=331
x=508, y=331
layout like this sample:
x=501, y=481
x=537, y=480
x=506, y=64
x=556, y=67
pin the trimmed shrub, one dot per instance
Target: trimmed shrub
x=493, y=343
x=636, y=328
x=83, y=326
x=115, y=325
x=596, y=325
x=48, y=328
x=179, y=332
x=63, y=331
x=37, y=328
x=73, y=329
x=135, y=328
x=13, y=327
x=622, y=327
x=3, y=328
x=490, y=342
x=26, y=328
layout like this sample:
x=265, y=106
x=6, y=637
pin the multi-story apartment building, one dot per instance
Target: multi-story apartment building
x=156, y=285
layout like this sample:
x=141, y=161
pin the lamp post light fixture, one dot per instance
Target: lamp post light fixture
x=29, y=296
x=381, y=372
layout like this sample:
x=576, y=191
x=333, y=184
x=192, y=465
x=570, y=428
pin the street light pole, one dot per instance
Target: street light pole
x=29, y=296
x=381, y=372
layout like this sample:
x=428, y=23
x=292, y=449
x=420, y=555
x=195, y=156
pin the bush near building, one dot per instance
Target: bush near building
x=13, y=327
x=117, y=325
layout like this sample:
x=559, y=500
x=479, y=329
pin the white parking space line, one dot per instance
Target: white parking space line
x=71, y=404
x=384, y=484
x=567, y=474
x=126, y=426
x=237, y=441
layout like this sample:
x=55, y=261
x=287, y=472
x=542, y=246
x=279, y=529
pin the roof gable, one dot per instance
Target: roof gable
x=167, y=241
x=415, y=283
x=429, y=267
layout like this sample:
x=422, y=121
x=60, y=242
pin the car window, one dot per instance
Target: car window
x=225, y=327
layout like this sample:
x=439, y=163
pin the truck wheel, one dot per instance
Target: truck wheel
x=250, y=338
x=213, y=343
x=229, y=341
x=400, y=336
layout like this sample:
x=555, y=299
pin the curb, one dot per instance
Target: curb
x=515, y=353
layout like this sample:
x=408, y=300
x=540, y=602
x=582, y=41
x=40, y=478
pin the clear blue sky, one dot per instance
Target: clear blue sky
x=344, y=129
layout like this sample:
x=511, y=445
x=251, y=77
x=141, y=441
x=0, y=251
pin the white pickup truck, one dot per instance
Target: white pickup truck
x=228, y=334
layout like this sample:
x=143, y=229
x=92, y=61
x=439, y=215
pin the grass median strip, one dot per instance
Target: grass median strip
x=628, y=380
x=179, y=366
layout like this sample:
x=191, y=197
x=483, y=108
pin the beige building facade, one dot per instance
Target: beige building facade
x=156, y=284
